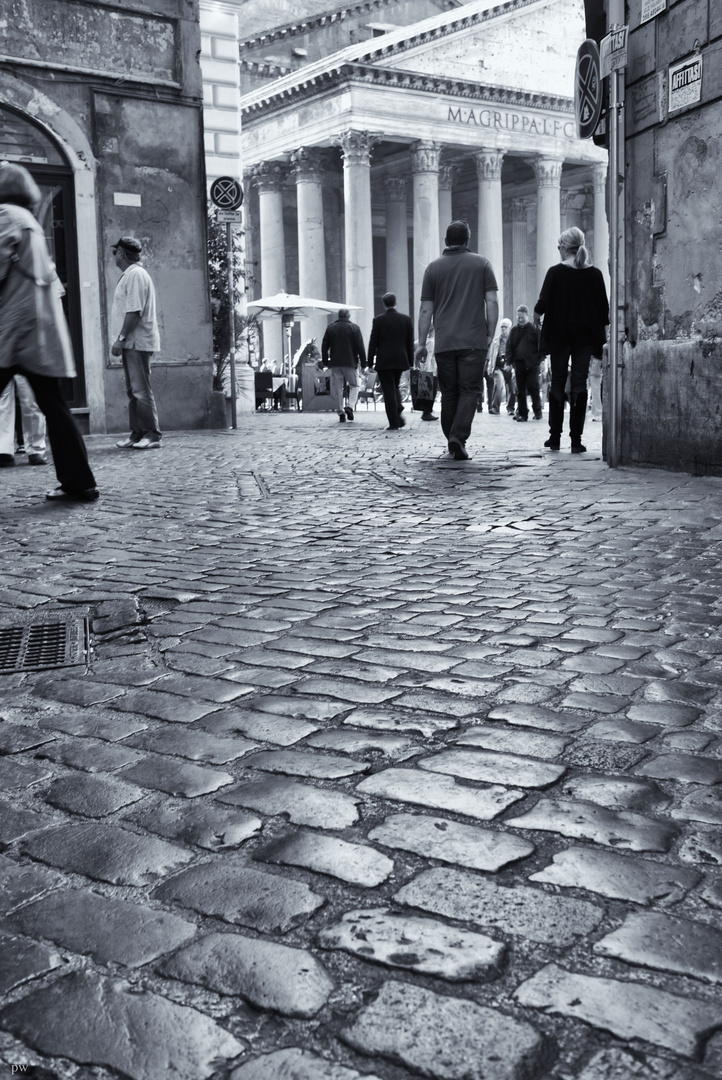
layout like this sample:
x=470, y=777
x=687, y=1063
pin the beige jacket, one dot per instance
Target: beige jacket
x=33, y=331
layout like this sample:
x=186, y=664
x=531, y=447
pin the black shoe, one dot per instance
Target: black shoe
x=349, y=411
x=457, y=450
x=401, y=408
x=392, y=428
x=342, y=418
x=552, y=443
x=61, y=495
x=428, y=415
x=402, y=422
x=6, y=461
x=37, y=459
x=521, y=419
x=538, y=416
x=578, y=448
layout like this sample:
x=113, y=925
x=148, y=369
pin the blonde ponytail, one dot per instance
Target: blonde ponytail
x=573, y=240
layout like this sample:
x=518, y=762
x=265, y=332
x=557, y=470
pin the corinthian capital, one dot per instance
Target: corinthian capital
x=308, y=163
x=356, y=146
x=395, y=188
x=488, y=164
x=268, y=176
x=548, y=171
x=447, y=172
x=425, y=156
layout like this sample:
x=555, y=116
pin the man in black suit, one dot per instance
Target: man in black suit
x=391, y=346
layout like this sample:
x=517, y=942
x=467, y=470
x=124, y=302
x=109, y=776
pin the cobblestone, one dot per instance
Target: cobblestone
x=23, y=961
x=620, y=877
x=295, y=1064
x=668, y=944
x=582, y=820
x=440, y=793
x=448, y=841
x=355, y=863
x=494, y=768
x=303, y=804
x=91, y=796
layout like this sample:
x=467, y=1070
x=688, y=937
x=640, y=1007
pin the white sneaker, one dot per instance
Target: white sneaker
x=125, y=444
x=146, y=444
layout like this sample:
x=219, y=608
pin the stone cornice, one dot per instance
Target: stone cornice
x=347, y=73
x=311, y=22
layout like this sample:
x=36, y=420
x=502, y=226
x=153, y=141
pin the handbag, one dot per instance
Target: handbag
x=424, y=388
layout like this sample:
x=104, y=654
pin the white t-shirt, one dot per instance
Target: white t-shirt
x=135, y=292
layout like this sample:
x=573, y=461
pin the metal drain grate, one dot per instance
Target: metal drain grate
x=53, y=642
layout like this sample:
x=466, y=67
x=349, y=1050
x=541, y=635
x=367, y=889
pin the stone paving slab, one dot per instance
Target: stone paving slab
x=363, y=742
x=510, y=741
x=702, y=804
x=415, y=723
x=585, y=821
x=179, y=778
x=451, y=842
x=538, y=716
x=162, y=706
x=440, y=793
x=305, y=708
x=203, y=825
x=90, y=756
x=137, y=1033
x=685, y=768
x=16, y=775
x=668, y=944
x=14, y=738
x=106, y=853
x=444, y=1037
x=305, y=763
x=93, y=796
x=494, y=767
x=303, y=804
x=422, y=945
x=194, y=744
x=267, y=975
x=620, y=877
x=516, y=910
x=294, y=1063
x=354, y=863
x=21, y=961
x=15, y=824
x=94, y=724
x=109, y=930
x=20, y=883
x=263, y=726
x=629, y=1010
x=234, y=892
x=673, y=716
x=615, y=792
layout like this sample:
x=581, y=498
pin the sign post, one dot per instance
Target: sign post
x=587, y=89
x=227, y=196
x=614, y=60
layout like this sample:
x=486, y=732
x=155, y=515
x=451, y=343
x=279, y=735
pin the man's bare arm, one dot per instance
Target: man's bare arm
x=426, y=310
x=491, y=298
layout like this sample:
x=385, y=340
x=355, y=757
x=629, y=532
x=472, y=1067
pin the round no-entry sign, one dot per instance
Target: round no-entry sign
x=587, y=89
x=226, y=193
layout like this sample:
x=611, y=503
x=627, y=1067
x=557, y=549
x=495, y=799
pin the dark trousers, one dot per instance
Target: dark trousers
x=142, y=412
x=527, y=382
x=69, y=454
x=460, y=379
x=581, y=356
x=510, y=380
x=390, y=380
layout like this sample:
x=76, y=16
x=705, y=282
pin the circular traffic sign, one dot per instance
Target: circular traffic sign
x=587, y=89
x=226, y=193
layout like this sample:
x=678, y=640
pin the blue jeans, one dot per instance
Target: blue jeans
x=460, y=380
x=142, y=412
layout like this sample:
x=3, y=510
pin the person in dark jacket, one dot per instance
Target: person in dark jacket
x=342, y=349
x=391, y=351
x=575, y=307
x=522, y=350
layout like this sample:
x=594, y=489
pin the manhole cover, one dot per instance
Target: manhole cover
x=52, y=641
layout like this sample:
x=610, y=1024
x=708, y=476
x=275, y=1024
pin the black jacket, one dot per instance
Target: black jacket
x=575, y=307
x=522, y=346
x=343, y=345
x=391, y=345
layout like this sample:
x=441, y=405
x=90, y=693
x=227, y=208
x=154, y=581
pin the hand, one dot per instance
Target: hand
x=420, y=353
x=537, y=320
x=117, y=348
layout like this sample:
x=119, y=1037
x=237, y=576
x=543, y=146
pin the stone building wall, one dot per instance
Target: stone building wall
x=117, y=88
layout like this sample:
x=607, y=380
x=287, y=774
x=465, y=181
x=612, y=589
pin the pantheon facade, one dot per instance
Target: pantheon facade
x=356, y=161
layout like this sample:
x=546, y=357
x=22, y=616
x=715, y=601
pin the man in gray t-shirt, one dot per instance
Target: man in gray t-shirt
x=460, y=294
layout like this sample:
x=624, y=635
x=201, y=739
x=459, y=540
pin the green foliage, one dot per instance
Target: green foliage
x=245, y=326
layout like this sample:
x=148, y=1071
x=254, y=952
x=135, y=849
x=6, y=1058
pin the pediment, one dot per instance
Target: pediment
x=533, y=49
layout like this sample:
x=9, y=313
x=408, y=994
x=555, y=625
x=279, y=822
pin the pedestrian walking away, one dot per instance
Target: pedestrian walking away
x=31, y=439
x=575, y=307
x=522, y=349
x=391, y=352
x=34, y=336
x=460, y=294
x=134, y=328
x=342, y=349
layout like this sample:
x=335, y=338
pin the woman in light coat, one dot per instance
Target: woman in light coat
x=34, y=338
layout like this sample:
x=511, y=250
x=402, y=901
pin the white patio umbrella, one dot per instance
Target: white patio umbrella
x=290, y=308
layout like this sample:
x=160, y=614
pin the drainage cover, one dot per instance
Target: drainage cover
x=52, y=640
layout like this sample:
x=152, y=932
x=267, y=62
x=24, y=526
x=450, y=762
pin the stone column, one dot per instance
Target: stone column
x=601, y=226
x=269, y=177
x=447, y=174
x=490, y=237
x=425, y=169
x=356, y=147
x=564, y=197
x=308, y=167
x=548, y=173
x=520, y=255
x=397, y=248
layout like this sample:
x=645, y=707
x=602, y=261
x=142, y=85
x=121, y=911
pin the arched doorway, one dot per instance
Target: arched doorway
x=29, y=145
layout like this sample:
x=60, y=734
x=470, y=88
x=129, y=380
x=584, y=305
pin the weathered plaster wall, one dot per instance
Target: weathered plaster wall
x=673, y=360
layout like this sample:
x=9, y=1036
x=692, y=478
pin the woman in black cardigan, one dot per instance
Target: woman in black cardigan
x=575, y=307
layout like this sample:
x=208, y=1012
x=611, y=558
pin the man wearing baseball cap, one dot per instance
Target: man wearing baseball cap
x=134, y=329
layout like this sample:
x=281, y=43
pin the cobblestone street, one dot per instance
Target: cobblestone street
x=382, y=765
